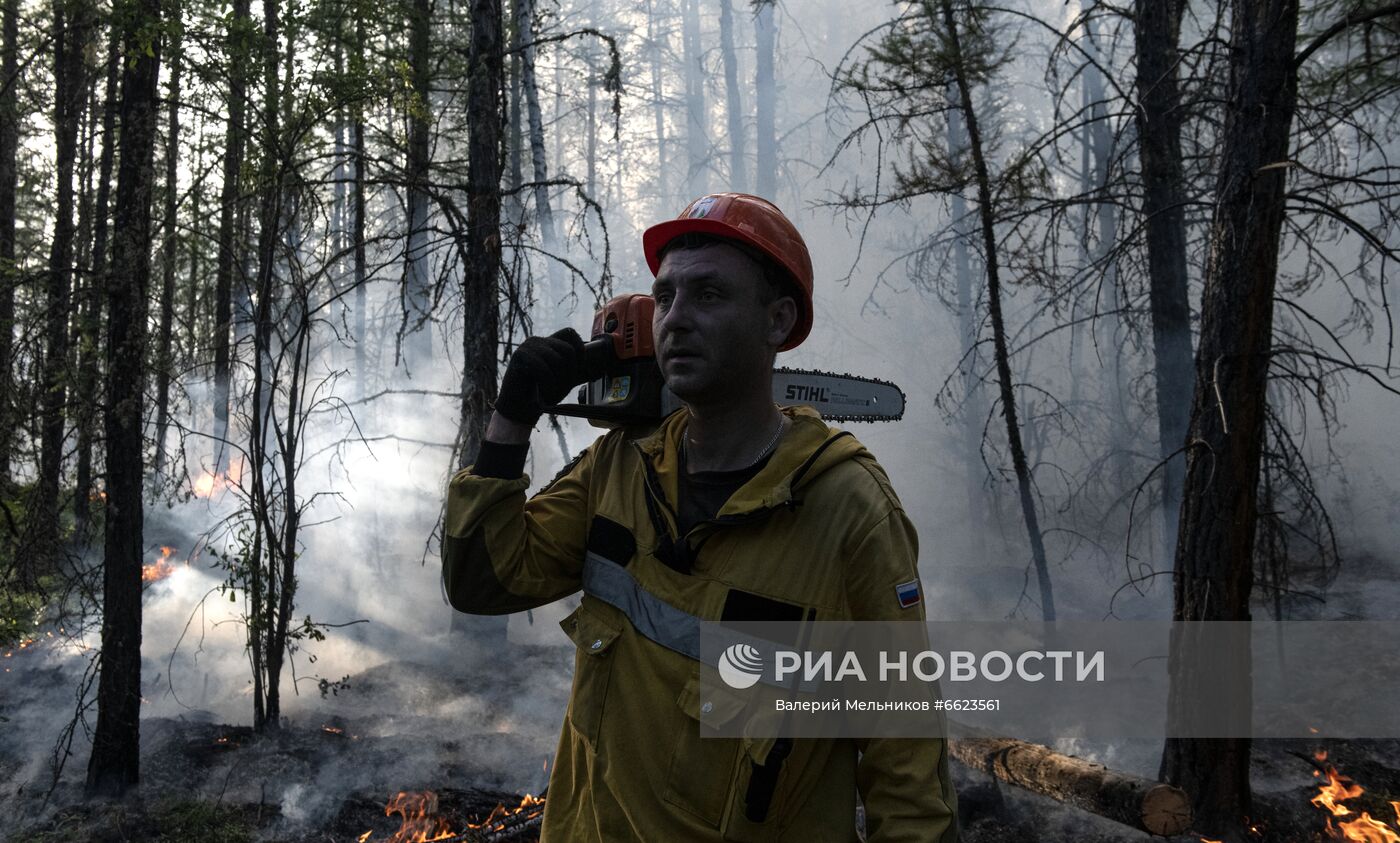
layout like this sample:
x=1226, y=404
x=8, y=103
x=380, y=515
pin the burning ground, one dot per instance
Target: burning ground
x=332, y=769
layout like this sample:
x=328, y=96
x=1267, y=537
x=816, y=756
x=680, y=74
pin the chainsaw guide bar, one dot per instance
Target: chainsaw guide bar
x=839, y=397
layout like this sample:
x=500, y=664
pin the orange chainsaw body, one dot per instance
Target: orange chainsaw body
x=626, y=319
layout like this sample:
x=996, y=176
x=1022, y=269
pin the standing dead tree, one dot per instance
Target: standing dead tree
x=925, y=65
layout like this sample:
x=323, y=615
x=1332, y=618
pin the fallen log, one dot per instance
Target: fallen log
x=1141, y=803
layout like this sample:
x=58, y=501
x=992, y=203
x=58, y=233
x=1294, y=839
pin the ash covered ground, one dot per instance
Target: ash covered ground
x=477, y=731
x=467, y=723
x=414, y=706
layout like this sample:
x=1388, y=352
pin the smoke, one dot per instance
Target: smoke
x=425, y=705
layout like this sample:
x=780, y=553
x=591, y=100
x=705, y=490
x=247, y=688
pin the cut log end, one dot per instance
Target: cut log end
x=1166, y=810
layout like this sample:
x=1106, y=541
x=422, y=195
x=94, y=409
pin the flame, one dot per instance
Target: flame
x=422, y=825
x=420, y=821
x=208, y=483
x=334, y=730
x=495, y=820
x=1338, y=788
x=161, y=568
x=1364, y=829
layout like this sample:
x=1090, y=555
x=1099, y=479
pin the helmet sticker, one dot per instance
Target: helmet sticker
x=702, y=207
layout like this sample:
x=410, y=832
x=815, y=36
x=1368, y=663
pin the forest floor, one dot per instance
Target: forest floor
x=482, y=732
x=199, y=777
x=327, y=779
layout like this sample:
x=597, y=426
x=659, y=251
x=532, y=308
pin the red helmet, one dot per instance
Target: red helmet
x=750, y=220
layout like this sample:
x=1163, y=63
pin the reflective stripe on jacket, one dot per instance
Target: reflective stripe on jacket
x=817, y=533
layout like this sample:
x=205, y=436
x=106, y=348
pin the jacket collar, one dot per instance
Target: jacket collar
x=807, y=449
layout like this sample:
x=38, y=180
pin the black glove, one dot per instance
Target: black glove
x=540, y=374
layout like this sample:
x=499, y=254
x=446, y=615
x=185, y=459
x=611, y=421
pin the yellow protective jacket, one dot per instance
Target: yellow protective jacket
x=817, y=533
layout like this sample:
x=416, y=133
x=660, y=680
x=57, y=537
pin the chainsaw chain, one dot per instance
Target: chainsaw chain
x=853, y=417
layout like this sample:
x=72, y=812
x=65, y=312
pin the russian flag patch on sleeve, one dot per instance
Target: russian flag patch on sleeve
x=909, y=594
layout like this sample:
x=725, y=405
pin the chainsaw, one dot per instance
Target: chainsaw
x=631, y=389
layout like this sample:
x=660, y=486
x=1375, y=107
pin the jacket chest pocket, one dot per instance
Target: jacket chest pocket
x=594, y=637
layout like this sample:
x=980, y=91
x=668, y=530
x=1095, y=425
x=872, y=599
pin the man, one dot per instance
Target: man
x=733, y=509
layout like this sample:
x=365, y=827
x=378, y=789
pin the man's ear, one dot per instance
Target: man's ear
x=782, y=318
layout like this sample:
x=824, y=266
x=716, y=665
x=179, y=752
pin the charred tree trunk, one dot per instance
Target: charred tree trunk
x=265, y=590
x=590, y=153
x=515, y=142
x=974, y=411
x=358, y=203
x=339, y=197
x=196, y=291
x=1159, y=118
x=84, y=330
x=417, y=285
x=1003, y=364
x=480, y=277
x=558, y=111
x=165, y=361
x=338, y=214
x=738, y=176
x=766, y=98
x=89, y=379
x=696, y=141
x=1214, y=572
x=71, y=19
x=9, y=183
x=538, y=154
x=1099, y=138
x=480, y=290
x=113, y=766
x=658, y=107
x=230, y=258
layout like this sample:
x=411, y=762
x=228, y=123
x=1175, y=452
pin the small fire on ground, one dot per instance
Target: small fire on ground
x=421, y=823
x=1339, y=788
x=160, y=568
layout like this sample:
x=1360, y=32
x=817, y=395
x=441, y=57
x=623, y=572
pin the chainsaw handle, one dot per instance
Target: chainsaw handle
x=598, y=355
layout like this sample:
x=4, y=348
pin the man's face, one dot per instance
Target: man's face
x=713, y=334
